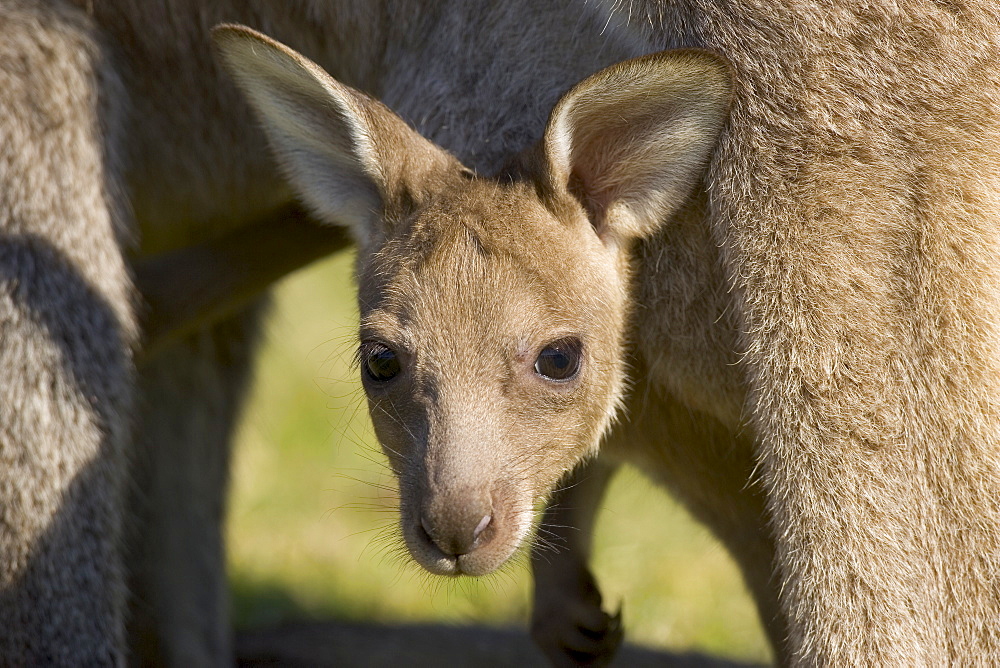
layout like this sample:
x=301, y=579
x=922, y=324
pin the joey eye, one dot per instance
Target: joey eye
x=560, y=360
x=379, y=361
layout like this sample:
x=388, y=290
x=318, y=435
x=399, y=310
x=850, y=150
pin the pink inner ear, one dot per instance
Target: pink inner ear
x=597, y=155
x=591, y=179
x=580, y=185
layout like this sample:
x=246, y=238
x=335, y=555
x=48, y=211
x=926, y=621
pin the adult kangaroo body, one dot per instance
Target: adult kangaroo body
x=120, y=145
x=853, y=199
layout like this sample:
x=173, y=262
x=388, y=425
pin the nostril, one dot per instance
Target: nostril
x=456, y=538
x=426, y=529
x=481, y=527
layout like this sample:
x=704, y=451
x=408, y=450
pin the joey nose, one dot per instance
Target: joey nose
x=458, y=526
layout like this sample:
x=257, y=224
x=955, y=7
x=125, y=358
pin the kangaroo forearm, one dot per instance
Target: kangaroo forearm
x=202, y=284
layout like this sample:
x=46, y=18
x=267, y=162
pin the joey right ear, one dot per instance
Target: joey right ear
x=631, y=141
x=350, y=158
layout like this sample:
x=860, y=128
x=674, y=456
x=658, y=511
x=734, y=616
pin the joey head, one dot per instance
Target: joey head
x=493, y=308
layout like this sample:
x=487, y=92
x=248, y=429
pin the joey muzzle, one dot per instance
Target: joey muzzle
x=467, y=529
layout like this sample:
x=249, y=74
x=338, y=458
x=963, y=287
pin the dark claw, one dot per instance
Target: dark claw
x=603, y=645
x=583, y=646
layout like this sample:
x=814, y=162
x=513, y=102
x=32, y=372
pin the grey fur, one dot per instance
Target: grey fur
x=120, y=142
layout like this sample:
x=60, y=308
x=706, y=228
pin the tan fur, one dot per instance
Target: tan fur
x=814, y=335
x=854, y=200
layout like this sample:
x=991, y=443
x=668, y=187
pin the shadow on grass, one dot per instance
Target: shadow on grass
x=278, y=631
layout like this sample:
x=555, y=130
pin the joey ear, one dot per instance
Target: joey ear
x=631, y=141
x=352, y=160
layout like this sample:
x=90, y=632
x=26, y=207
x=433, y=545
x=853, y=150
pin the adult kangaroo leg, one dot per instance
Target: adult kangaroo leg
x=66, y=334
x=191, y=394
x=193, y=287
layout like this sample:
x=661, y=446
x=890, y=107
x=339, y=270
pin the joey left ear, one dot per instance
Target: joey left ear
x=351, y=159
x=631, y=141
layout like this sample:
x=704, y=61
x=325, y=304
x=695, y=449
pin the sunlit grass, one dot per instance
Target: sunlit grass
x=312, y=529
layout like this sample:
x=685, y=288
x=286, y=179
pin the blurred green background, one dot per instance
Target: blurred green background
x=312, y=529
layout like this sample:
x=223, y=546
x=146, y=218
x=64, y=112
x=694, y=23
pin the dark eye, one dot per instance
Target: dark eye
x=560, y=360
x=380, y=362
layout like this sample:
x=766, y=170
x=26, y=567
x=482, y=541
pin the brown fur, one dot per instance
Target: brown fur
x=854, y=202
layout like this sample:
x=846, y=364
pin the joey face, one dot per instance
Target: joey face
x=492, y=310
x=491, y=347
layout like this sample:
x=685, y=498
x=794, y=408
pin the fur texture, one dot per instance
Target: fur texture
x=813, y=336
x=854, y=202
x=814, y=333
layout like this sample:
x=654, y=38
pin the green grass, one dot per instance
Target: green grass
x=312, y=515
